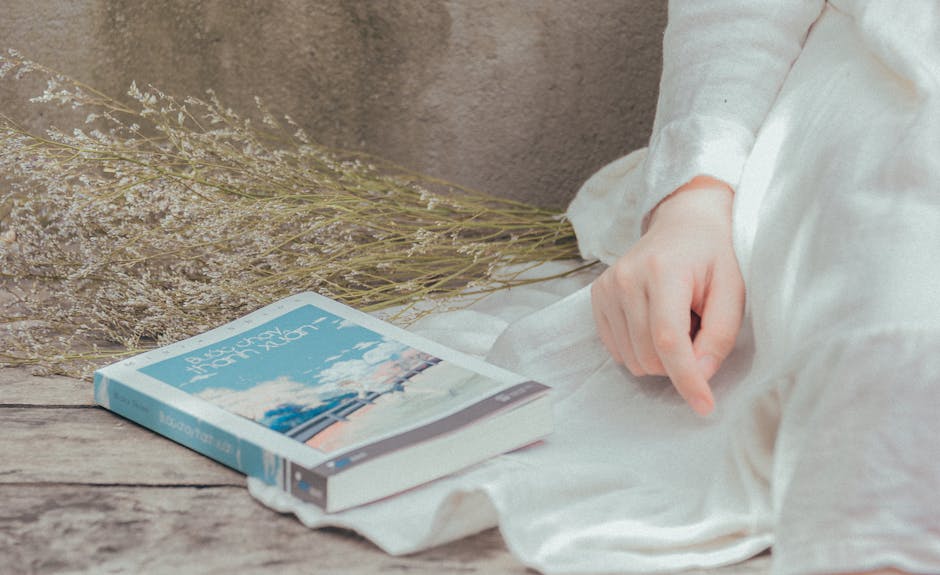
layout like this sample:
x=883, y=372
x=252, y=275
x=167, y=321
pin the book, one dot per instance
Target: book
x=334, y=406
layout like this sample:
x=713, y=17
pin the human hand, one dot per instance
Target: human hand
x=684, y=263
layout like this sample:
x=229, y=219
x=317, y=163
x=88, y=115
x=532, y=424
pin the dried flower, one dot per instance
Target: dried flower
x=152, y=221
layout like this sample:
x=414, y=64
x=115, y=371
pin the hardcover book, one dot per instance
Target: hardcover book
x=332, y=405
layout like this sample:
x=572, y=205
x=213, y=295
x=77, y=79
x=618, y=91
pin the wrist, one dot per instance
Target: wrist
x=702, y=197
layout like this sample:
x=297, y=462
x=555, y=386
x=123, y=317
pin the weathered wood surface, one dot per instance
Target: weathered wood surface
x=58, y=529
x=85, y=491
x=90, y=445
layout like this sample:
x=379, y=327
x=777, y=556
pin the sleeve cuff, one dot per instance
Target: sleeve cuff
x=691, y=147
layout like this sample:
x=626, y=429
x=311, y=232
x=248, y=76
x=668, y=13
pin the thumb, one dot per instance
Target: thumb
x=721, y=315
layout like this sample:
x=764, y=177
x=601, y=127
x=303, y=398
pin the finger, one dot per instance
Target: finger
x=612, y=327
x=603, y=326
x=722, y=315
x=621, y=330
x=640, y=337
x=669, y=325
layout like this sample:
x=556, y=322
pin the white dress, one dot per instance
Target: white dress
x=824, y=443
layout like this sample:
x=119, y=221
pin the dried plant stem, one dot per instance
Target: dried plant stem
x=158, y=219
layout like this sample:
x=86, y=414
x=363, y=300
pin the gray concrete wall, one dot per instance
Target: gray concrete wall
x=522, y=98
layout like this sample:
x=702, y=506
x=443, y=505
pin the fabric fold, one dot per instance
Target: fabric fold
x=824, y=411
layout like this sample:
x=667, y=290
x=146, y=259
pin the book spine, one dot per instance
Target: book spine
x=305, y=484
x=186, y=429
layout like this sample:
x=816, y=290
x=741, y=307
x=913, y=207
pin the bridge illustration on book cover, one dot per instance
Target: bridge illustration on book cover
x=321, y=379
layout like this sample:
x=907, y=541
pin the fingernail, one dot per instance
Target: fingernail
x=702, y=405
x=707, y=365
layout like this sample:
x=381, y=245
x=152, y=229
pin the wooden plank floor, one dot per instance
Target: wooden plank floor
x=85, y=491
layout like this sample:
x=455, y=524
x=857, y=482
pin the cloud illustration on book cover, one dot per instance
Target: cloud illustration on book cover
x=319, y=378
x=341, y=390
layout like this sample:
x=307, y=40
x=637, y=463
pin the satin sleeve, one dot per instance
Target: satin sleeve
x=724, y=62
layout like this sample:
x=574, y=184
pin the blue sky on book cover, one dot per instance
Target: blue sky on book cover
x=320, y=378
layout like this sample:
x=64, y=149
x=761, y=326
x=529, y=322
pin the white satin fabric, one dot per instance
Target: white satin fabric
x=824, y=441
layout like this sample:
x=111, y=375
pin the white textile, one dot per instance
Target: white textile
x=615, y=489
x=824, y=438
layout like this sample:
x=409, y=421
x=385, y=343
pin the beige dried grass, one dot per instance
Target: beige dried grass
x=153, y=220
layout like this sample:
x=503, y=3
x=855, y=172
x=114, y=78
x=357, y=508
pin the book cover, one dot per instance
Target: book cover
x=334, y=406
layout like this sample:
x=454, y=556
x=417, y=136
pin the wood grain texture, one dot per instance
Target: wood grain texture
x=85, y=491
x=91, y=445
x=65, y=529
x=19, y=387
